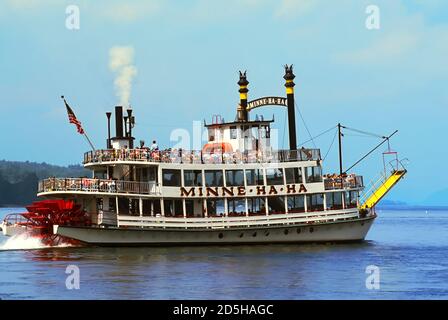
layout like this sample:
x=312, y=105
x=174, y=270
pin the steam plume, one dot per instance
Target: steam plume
x=120, y=62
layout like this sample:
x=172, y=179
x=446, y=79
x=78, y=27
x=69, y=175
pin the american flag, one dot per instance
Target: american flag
x=72, y=118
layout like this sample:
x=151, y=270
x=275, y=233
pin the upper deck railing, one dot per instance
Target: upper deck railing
x=97, y=185
x=198, y=157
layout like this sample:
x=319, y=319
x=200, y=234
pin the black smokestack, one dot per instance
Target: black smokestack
x=119, y=122
x=242, y=113
x=131, y=141
x=289, y=77
x=109, y=145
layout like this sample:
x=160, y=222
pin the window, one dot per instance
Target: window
x=150, y=207
x=255, y=130
x=192, y=178
x=334, y=200
x=134, y=207
x=211, y=135
x=276, y=204
x=142, y=174
x=246, y=131
x=215, y=207
x=313, y=174
x=268, y=132
x=123, y=206
x=213, y=178
x=315, y=202
x=112, y=205
x=100, y=175
x=263, y=132
x=254, y=177
x=293, y=175
x=233, y=132
x=256, y=206
x=296, y=203
x=99, y=204
x=171, y=178
x=173, y=207
x=189, y=208
x=234, y=178
x=274, y=176
x=236, y=206
x=152, y=174
x=351, y=199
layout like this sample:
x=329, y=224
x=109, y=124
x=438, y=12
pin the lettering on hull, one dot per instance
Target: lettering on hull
x=241, y=191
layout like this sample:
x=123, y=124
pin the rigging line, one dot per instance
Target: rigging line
x=380, y=144
x=306, y=127
x=365, y=132
x=331, y=145
x=357, y=135
x=320, y=134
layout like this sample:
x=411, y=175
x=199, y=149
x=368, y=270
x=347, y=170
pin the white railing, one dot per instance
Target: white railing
x=231, y=222
x=97, y=185
x=195, y=156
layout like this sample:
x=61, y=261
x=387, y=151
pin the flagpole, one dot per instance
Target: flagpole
x=90, y=142
x=83, y=131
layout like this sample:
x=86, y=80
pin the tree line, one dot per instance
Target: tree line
x=19, y=180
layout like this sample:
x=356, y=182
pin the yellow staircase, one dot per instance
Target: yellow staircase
x=380, y=188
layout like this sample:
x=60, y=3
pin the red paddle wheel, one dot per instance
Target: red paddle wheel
x=42, y=215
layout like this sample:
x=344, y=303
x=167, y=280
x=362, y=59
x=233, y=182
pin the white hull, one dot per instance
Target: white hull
x=349, y=230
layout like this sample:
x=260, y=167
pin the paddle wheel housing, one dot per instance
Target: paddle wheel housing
x=43, y=215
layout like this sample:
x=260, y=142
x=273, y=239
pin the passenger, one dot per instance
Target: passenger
x=154, y=146
x=112, y=186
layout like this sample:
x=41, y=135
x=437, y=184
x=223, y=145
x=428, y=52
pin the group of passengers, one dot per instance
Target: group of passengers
x=173, y=155
x=81, y=184
x=339, y=181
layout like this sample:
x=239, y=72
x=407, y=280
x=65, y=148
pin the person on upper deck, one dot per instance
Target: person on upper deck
x=154, y=146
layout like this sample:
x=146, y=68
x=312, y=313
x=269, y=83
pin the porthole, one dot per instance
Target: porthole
x=220, y=236
x=241, y=235
x=254, y=235
x=266, y=233
x=298, y=230
x=311, y=229
x=286, y=231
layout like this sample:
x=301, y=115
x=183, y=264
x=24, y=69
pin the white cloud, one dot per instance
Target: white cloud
x=294, y=8
x=130, y=11
x=386, y=48
x=118, y=11
x=29, y=4
x=216, y=11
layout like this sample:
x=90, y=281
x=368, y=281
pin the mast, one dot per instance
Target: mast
x=289, y=77
x=340, y=148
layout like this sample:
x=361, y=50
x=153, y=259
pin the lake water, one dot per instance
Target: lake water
x=410, y=248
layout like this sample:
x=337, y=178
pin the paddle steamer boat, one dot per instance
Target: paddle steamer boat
x=236, y=190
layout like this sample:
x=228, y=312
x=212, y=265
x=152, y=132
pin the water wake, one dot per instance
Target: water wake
x=24, y=241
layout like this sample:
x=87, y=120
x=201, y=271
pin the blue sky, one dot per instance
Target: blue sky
x=187, y=55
